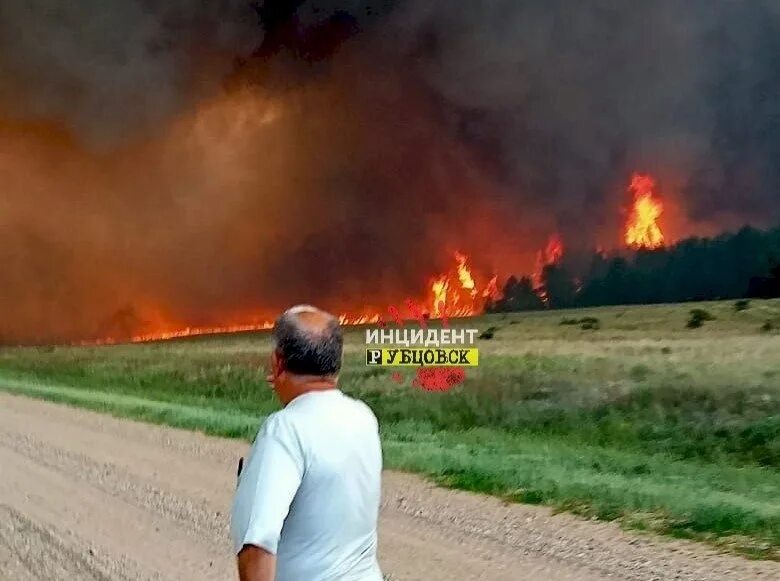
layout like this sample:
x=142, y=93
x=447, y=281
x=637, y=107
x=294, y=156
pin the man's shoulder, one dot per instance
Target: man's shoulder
x=310, y=415
x=363, y=408
x=354, y=407
x=280, y=424
x=358, y=417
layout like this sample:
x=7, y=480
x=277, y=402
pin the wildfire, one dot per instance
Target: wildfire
x=345, y=319
x=464, y=274
x=491, y=290
x=181, y=333
x=195, y=331
x=642, y=229
x=453, y=294
x=458, y=292
x=551, y=254
x=460, y=297
x=440, y=289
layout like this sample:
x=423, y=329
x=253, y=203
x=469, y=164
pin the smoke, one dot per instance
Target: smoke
x=110, y=69
x=570, y=97
x=181, y=163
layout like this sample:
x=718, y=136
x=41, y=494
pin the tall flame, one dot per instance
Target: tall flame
x=461, y=296
x=551, y=254
x=440, y=289
x=642, y=229
x=464, y=274
x=491, y=290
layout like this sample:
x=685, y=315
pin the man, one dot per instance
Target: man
x=307, y=502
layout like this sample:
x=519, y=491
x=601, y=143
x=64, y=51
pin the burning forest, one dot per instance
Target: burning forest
x=169, y=169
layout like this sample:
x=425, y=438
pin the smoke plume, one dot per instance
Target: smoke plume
x=198, y=162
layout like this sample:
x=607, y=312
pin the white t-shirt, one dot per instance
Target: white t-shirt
x=310, y=490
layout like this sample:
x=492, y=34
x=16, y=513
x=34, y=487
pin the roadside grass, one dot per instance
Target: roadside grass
x=642, y=420
x=215, y=422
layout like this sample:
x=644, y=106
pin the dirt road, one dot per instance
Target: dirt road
x=88, y=497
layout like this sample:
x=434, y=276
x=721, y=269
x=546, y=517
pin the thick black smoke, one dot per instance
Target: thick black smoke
x=562, y=99
x=190, y=161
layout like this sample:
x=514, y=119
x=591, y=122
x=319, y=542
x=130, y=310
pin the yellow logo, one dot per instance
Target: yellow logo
x=423, y=357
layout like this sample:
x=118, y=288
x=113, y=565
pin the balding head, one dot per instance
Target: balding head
x=309, y=341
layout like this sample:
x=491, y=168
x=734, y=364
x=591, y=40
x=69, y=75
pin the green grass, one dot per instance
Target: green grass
x=640, y=419
x=216, y=422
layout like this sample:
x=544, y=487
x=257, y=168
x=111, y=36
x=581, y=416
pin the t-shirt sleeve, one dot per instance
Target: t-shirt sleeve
x=266, y=487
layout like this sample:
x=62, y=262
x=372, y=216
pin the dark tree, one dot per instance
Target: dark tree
x=558, y=286
x=766, y=287
x=518, y=295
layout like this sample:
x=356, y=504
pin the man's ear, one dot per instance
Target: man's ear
x=277, y=363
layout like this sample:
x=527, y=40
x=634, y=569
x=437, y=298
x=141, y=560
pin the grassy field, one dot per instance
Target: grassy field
x=628, y=415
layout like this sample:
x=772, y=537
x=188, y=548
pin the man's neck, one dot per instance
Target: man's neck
x=310, y=384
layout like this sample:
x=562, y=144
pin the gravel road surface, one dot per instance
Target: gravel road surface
x=85, y=496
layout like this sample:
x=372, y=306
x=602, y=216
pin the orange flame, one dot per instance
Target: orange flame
x=345, y=319
x=440, y=289
x=182, y=333
x=551, y=254
x=491, y=290
x=453, y=294
x=642, y=229
x=460, y=300
x=464, y=274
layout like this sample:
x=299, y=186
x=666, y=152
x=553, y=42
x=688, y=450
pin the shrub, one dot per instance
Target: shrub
x=585, y=323
x=640, y=372
x=768, y=327
x=703, y=315
x=488, y=333
x=698, y=317
x=694, y=323
x=590, y=323
x=742, y=305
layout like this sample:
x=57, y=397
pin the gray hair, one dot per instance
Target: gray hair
x=307, y=351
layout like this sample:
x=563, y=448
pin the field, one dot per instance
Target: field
x=621, y=413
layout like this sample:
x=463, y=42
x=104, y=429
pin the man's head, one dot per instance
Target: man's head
x=307, y=354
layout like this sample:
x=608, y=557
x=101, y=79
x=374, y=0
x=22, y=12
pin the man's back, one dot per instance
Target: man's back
x=321, y=457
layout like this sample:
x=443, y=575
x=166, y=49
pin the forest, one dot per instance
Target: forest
x=733, y=265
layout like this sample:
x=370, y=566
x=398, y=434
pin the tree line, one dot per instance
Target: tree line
x=730, y=266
